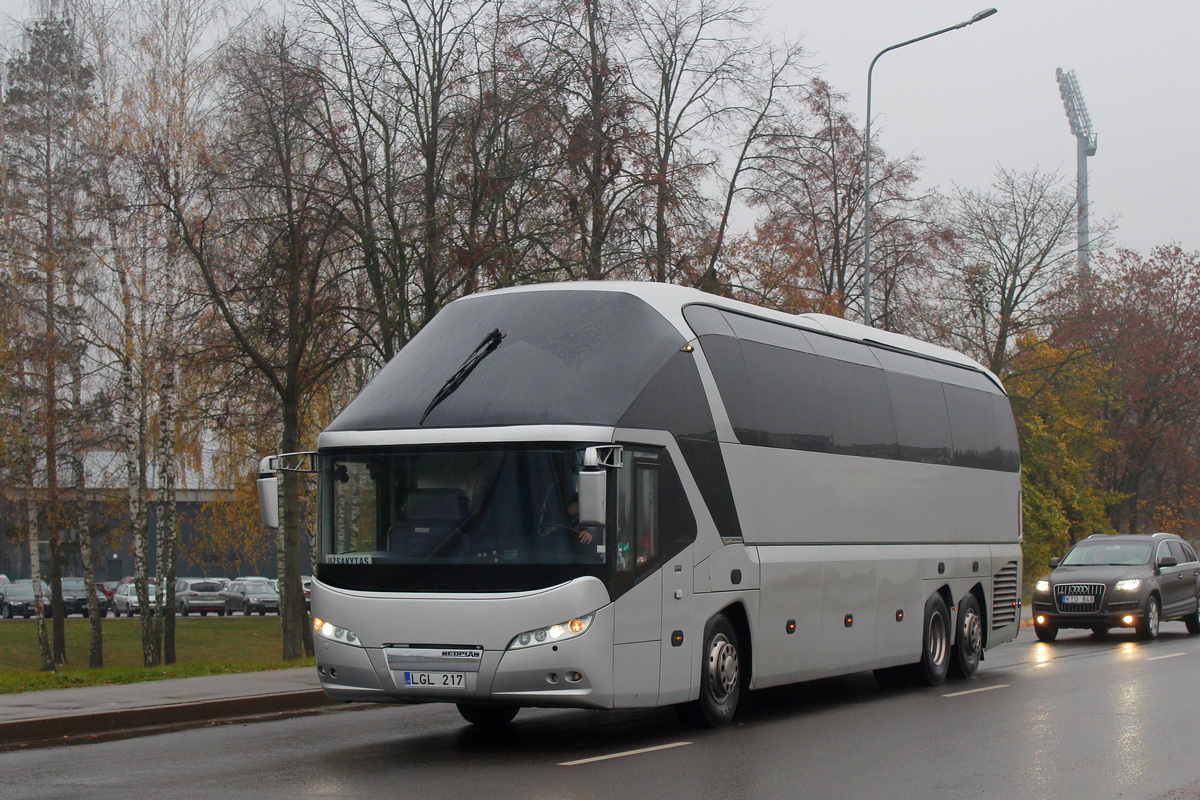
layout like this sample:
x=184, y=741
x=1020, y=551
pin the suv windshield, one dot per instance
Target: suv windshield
x=1117, y=554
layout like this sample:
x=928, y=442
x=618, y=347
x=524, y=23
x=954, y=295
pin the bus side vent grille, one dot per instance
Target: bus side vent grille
x=1004, y=596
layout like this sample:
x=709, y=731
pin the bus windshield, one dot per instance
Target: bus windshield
x=482, y=505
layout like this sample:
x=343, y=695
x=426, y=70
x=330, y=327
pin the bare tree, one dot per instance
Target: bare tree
x=687, y=59
x=264, y=240
x=1011, y=255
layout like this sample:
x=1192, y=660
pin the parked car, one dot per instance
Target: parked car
x=19, y=601
x=125, y=599
x=75, y=598
x=306, y=585
x=199, y=594
x=109, y=588
x=1129, y=581
x=251, y=596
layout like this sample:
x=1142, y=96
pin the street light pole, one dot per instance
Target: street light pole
x=867, y=187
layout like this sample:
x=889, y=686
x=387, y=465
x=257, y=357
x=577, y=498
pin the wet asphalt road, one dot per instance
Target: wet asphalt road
x=1080, y=718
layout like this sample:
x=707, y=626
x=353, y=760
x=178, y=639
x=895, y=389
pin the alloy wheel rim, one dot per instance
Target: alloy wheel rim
x=722, y=668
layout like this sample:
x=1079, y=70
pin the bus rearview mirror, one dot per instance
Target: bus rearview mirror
x=268, y=494
x=593, y=497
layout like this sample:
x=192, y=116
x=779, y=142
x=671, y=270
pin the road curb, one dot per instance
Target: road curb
x=34, y=732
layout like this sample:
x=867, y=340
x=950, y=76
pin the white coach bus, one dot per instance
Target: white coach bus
x=611, y=495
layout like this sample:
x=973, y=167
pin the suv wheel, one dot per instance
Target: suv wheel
x=1147, y=627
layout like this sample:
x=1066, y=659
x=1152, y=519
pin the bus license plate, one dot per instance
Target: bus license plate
x=435, y=680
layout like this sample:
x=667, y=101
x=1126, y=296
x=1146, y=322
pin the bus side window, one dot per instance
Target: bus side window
x=647, y=515
x=638, y=537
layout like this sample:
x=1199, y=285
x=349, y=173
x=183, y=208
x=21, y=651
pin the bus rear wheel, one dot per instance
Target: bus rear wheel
x=720, y=677
x=487, y=716
x=968, y=641
x=935, y=645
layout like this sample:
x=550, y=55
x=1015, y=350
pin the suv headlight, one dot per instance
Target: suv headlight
x=1127, y=585
x=553, y=634
x=1042, y=586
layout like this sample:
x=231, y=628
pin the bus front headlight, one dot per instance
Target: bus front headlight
x=553, y=633
x=327, y=630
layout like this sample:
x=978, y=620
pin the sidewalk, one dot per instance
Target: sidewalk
x=38, y=718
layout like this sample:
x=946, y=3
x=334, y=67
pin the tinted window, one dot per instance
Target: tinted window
x=1177, y=551
x=705, y=320
x=789, y=399
x=567, y=357
x=904, y=363
x=922, y=424
x=758, y=330
x=959, y=376
x=842, y=350
x=724, y=357
x=977, y=426
x=860, y=410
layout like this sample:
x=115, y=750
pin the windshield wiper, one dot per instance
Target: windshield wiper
x=485, y=349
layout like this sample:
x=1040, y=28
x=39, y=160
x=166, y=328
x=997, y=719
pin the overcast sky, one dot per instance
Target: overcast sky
x=970, y=100
x=986, y=95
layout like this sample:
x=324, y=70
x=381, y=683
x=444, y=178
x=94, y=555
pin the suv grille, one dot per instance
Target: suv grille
x=1079, y=598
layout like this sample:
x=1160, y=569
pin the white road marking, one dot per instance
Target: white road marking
x=622, y=755
x=977, y=691
x=1172, y=655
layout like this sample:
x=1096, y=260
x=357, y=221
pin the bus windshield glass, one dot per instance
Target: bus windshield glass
x=489, y=505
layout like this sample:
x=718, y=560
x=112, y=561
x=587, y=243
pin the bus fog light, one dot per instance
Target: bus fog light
x=553, y=633
x=573, y=677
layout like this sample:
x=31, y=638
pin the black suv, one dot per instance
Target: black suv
x=1119, y=582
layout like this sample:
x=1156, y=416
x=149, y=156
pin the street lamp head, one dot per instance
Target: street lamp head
x=987, y=12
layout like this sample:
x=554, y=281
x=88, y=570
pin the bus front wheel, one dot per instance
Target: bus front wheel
x=720, y=677
x=935, y=645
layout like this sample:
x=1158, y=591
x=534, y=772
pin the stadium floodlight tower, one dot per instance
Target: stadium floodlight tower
x=1085, y=139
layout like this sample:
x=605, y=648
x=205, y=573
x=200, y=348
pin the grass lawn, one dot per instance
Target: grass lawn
x=203, y=646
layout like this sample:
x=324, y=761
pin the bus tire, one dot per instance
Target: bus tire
x=720, y=677
x=487, y=716
x=968, y=639
x=935, y=644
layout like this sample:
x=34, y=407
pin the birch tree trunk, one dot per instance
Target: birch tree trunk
x=31, y=521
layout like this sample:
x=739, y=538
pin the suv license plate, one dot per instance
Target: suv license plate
x=1079, y=598
x=435, y=680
